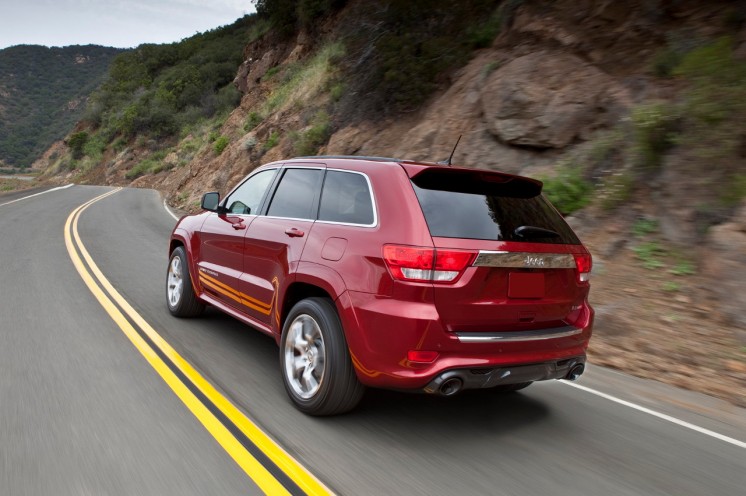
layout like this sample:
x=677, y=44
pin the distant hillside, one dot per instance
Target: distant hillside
x=43, y=93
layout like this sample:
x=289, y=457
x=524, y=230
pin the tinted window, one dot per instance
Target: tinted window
x=248, y=197
x=296, y=194
x=451, y=214
x=346, y=198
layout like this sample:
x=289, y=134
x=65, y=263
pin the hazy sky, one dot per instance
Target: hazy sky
x=119, y=23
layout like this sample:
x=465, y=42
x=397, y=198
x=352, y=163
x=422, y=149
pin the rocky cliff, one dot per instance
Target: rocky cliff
x=632, y=113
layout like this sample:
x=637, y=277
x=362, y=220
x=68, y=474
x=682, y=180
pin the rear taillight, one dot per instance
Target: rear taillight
x=422, y=264
x=584, y=264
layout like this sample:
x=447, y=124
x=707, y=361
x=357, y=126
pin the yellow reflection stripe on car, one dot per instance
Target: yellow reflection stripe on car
x=220, y=290
x=238, y=296
x=251, y=466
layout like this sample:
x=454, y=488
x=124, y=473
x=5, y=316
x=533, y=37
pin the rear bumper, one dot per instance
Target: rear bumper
x=380, y=332
x=569, y=368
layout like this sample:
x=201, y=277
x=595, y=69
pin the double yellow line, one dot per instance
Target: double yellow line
x=272, y=469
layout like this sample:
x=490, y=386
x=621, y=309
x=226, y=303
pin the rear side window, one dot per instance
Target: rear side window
x=296, y=194
x=346, y=198
x=453, y=214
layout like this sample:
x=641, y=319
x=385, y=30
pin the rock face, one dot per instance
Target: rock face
x=726, y=267
x=547, y=100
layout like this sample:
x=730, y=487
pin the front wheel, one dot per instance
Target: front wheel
x=316, y=367
x=180, y=297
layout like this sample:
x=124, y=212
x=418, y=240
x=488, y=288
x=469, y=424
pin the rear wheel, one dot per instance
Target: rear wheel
x=316, y=367
x=180, y=297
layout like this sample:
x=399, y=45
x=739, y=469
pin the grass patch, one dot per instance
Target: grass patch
x=151, y=165
x=304, y=83
x=649, y=254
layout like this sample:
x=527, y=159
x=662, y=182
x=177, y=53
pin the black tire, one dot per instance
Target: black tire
x=183, y=302
x=510, y=388
x=326, y=358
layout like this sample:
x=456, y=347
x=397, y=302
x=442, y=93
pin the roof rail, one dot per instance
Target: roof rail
x=353, y=157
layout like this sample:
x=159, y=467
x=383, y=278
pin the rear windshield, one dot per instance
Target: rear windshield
x=452, y=214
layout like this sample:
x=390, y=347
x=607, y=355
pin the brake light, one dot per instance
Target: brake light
x=584, y=264
x=417, y=263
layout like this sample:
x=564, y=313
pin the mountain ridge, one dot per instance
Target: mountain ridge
x=43, y=91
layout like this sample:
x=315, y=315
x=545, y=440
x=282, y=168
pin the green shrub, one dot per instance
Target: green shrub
x=309, y=141
x=403, y=51
x=252, y=121
x=220, y=144
x=569, y=191
x=683, y=268
x=665, y=61
x=735, y=190
x=274, y=138
x=336, y=91
x=271, y=72
x=642, y=227
x=76, y=143
x=617, y=189
x=490, y=67
x=94, y=147
x=654, y=132
x=670, y=286
x=714, y=103
x=161, y=90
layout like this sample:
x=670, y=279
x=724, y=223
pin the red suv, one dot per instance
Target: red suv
x=390, y=274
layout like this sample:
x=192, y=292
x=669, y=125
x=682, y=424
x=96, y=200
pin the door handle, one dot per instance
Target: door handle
x=294, y=232
x=238, y=225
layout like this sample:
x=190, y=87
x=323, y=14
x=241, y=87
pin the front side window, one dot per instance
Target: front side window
x=296, y=194
x=248, y=197
x=346, y=198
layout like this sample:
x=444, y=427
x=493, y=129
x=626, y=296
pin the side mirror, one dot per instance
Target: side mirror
x=211, y=201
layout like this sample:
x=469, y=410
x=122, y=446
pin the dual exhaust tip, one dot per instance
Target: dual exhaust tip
x=454, y=384
x=575, y=372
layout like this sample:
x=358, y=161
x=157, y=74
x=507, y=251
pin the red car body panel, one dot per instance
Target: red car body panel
x=262, y=262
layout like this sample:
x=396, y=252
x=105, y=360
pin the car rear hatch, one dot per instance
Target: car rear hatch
x=525, y=268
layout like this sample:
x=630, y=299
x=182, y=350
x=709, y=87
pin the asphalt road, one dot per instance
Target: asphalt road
x=81, y=411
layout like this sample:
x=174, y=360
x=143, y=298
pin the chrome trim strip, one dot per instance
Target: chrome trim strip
x=512, y=337
x=524, y=260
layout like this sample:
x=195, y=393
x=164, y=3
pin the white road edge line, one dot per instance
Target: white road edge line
x=37, y=194
x=165, y=205
x=659, y=415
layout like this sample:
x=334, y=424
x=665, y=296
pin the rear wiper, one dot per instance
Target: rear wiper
x=534, y=232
